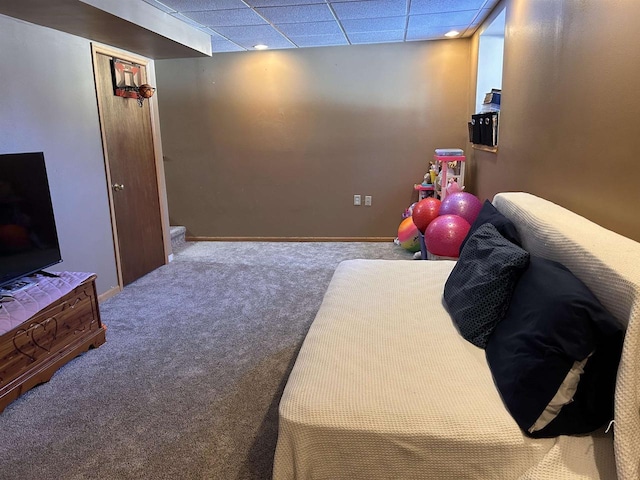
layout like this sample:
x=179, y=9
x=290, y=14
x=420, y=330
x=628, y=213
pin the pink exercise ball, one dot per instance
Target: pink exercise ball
x=444, y=235
x=462, y=204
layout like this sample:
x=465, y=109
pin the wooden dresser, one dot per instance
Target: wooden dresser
x=32, y=351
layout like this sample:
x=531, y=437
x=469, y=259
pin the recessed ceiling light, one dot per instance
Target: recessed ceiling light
x=260, y=46
x=452, y=33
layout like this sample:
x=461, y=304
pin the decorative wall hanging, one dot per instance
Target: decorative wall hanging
x=127, y=81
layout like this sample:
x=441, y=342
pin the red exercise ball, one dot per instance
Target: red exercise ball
x=445, y=234
x=462, y=204
x=425, y=211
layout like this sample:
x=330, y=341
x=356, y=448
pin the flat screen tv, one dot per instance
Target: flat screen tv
x=28, y=236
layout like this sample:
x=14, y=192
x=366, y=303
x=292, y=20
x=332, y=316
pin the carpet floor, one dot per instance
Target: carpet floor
x=188, y=384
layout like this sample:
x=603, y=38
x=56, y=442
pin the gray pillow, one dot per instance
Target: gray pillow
x=479, y=288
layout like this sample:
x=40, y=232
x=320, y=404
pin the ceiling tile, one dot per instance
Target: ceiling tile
x=443, y=6
x=374, y=24
x=325, y=22
x=246, y=31
x=199, y=5
x=203, y=5
x=431, y=33
x=377, y=37
x=223, y=45
x=315, y=28
x=231, y=47
x=251, y=35
x=417, y=22
x=370, y=9
x=297, y=14
x=226, y=18
x=281, y=3
x=209, y=31
x=186, y=19
x=319, y=40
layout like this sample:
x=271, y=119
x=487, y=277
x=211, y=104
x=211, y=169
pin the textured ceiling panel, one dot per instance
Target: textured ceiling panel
x=308, y=23
x=220, y=44
x=186, y=19
x=431, y=33
x=319, y=40
x=226, y=18
x=371, y=25
x=444, y=6
x=281, y=3
x=441, y=19
x=200, y=5
x=307, y=29
x=251, y=35
x=375, y=37
x=297, y=14
x=370, y=9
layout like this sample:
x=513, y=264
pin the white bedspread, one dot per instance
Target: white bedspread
x=385, y=388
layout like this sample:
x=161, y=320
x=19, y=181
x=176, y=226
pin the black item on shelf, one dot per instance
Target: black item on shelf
x=487, y=130
x=476, y=125
x=484, y=129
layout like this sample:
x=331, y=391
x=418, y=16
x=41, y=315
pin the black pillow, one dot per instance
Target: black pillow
x=478, y=289
x=489, y=214
x=554, y=330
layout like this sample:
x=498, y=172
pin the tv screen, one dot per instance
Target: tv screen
x=28, y=237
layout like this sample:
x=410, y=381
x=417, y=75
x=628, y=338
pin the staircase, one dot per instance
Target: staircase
x=177, y=237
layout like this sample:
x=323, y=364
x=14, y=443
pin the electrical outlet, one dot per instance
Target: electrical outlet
x=367, y=201
x=357, y=200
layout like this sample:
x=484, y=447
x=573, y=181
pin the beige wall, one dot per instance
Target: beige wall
x=570, y=108
x=48, y=104
x=276, y=143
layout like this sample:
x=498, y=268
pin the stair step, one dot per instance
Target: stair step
x=177, y=236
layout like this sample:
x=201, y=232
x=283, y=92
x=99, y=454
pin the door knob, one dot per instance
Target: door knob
x=118, y=187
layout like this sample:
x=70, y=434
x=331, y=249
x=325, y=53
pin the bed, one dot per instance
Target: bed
x=384, y=386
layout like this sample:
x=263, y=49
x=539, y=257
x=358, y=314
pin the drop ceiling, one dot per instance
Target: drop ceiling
x=238, y=25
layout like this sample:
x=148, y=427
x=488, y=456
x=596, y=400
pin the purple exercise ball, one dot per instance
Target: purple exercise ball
x=463, y=204
x=444, y=235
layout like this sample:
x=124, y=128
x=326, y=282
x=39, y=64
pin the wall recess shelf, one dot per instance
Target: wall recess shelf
x=485, y=148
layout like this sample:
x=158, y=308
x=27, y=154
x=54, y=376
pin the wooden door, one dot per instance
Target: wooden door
x=131, y=171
